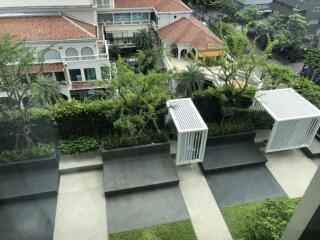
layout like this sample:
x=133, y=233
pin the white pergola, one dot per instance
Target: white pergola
x=192, y=131
x=296, y=119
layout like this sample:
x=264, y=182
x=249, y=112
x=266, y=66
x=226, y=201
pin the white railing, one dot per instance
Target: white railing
x=167, y=64
x=104, y=5
x=154, y=25
x=85, y=58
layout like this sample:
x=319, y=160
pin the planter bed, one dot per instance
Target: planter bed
x=231, y=151
x=139, y=167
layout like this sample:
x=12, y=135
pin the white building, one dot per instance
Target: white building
x=262, y=5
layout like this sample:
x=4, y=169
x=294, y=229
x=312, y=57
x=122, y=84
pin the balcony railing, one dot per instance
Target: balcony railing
x=85, y=58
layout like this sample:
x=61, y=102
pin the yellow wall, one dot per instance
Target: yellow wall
x=210, y=53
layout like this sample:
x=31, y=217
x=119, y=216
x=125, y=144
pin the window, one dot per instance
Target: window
x=122, y=17
x=52, y=54
x=105, y=18
x=60, y=76
x=86, y=51
x=71, y=52
x=75, y=75
x=105, y=72
x=90, y=74
x=140, y=17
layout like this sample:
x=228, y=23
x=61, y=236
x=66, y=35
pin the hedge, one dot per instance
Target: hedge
x=78, y=145
x=36, y=152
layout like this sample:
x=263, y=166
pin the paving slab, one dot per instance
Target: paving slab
x=28, y=219
x=145, y=208
x=80, y=161
x=226, y=156
x=139, y=171
x=293, y=170
x=28, y=179
x=313, y=151
x=244, y=185
x=81, y=208
x=204, y=211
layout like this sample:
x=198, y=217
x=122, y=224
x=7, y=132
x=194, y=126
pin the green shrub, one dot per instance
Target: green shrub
x=78, y=145
x=115, y=141
x=307, y=89
x=225, y=128
x=35, y=152
x=268, y=221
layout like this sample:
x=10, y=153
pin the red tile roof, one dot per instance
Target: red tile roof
x=46, y=28
x=159, y=5
x=190, y=31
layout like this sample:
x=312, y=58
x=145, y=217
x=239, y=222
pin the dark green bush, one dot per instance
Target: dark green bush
x=225, y=128
x=35, y=152
x=268, y=221
x=78, y=145
x=307, y=89
x=76, y=119
x=115, y=141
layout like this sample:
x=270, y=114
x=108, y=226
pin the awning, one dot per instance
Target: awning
x=52, y=67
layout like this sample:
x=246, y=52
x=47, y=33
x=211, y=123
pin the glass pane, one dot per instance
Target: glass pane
x=90, y=73
x=105, y=72
x=122, y=17
x=75, y=75
x=140, y=17
x=105, y=18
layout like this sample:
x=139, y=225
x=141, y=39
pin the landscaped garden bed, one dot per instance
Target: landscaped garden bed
x=260, y=220
x=182, y=230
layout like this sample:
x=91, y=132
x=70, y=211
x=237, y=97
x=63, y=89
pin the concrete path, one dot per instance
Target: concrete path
x=80, y=160
x=205, y=214
x=293, y=170
x=81, y=208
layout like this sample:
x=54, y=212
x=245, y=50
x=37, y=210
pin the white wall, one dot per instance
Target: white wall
x=249, y=2
x=164, y=19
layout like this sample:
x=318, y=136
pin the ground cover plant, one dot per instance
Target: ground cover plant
x=78, y=145
x=173, y=231
x=263, y=220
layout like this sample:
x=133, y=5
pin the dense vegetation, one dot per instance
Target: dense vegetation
x=260, y=220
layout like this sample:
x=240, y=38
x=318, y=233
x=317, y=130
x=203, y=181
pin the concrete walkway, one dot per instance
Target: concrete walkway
x=205, y=214
x=81, y=208
x=293, y=170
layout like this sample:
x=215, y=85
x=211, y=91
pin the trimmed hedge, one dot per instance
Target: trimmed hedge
x=78, y=145
x=36, y=152
x=225, y=128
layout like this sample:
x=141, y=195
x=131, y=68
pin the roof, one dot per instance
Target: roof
x=185, y=115
x=190, y=31
x=43, y=3
x=37, y=28
x=286, y=104
x=158, y=5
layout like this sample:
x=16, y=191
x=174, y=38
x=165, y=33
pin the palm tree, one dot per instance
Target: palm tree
x=142, y=39
x=191, y=79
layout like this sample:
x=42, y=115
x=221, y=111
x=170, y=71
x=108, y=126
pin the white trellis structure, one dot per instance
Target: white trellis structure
x=296, y=119
x=192, y=131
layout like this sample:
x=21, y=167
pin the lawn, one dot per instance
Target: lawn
x=236, y=217
x=173, y=231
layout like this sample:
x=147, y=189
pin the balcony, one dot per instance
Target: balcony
x=85, y=58
x=93, y=84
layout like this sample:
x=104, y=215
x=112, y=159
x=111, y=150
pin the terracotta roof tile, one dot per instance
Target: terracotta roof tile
x=159, y=5
x=46, y=28
x=190, y=31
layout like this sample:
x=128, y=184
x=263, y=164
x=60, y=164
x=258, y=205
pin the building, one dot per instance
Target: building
x=308, y=8
x=262, y=5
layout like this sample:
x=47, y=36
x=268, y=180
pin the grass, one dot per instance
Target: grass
x=236, y=217
x=173, y=231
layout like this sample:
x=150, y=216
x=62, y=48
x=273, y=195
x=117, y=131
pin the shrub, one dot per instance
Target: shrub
x=268, y=221
x=115, y=141
x=34, y=152
x=307, y=89
x=225, y=128
x=78, y=145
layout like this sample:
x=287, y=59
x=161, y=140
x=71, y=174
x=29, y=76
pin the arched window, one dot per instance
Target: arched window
x=52, y=54
x=86, y=51
x=71, y=52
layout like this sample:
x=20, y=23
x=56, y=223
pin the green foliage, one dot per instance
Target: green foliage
x=116, y=141
x=191, y=79
x=238, y=218
x=174, y=49
x=34, y=152
x=307, y=89
x=229, y=127
x=114, y=52
x=142, y=39
x=247, y=14
x=89, y=118
x=147, y=61
x=312, y=58
x=182, y=230
x=269, y=220
x=78, y=145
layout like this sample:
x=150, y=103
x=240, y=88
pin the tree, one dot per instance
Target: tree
x=114, y=52
x=247, y=15
x=142, y=39
x=141, y=99
x=147, y=61
x=192, y=79
x=275, y=75
x=312, y=58
x=23, y=90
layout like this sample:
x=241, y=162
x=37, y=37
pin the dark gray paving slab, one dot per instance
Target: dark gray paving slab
x=136, y=172
x=28, y=219
x=145, y=208
x=220, y=157
x=313, y=150
x=28, y=179
x=243, y=185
